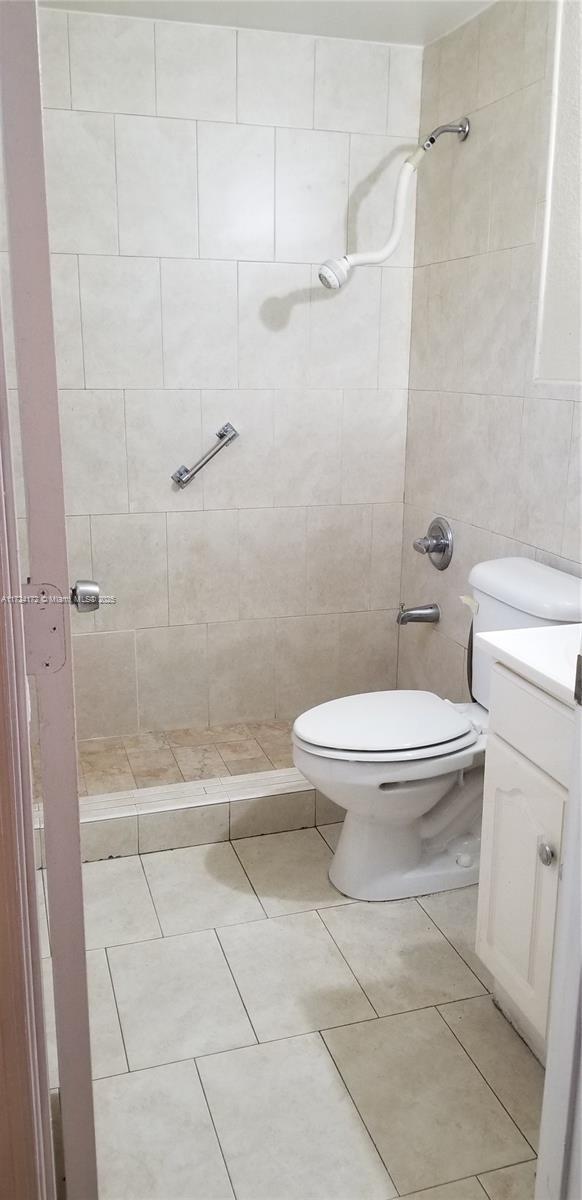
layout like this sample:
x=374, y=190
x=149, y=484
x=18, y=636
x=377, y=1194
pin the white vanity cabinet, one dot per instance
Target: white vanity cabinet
x=527, y=766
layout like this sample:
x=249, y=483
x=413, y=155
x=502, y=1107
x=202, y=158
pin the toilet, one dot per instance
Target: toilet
x=407, y=766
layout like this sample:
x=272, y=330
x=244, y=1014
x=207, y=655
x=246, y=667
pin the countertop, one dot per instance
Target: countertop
x=545, y=656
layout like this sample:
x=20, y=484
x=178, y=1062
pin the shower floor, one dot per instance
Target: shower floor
x=119, y=764
x=255, y=1034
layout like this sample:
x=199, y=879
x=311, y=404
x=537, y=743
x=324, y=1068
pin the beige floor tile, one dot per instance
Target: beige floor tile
x=88, y=747
x=144, y=743
x=206, y=737
x=278, y=749
x=176, y=999
x=455, y=913
x=238, y=751
x=511, y=1183
x=272, y=814
x=154, y=767
x=292, y=977
x=289, y=871
x=463, y=1189
x=248, y=766
x=401, y=960
x=108, y=773
x=107, y=1052
x=118, y=905
x=268, y=729
x=503, y=1058
x=202, y=762
x=200, y=887
x=155, y=1137
x=287, y=1126
x=429, y=1111
x=331, y=833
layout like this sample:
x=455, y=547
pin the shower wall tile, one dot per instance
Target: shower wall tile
x=130, y=561
x=457, y=74
x=307, y=447
x=241, y=671
x=546, y=439
x=112, y=63
x=236, y=191
x=195, y=71
x=501, y=41
x=162, y=428
x=275, y=78
x=351, y=85
x=80, y=563
x=373, y=446
x=404, y=91
x=273, y=323
x=120, y=305
x=80, y=176
x=515, y=167
x=572, y=540
x=93, y=447
x=375, y=164
x=246, y=478
x=54, y=53
x=311, y=190
x=345, y=330
x=199, y=323
x=67, y=320
x=272, y=549
x=282, y=568
x=157, y=186
x=105, y=684
x=172, y=677
x=203, y=567
x=336, y=535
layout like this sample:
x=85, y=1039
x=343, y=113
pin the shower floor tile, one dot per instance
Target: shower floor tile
x=305, y=1090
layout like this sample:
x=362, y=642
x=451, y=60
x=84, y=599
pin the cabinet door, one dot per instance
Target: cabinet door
x=522, y=811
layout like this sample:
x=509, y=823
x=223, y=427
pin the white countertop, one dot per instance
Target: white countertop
x=545, y=656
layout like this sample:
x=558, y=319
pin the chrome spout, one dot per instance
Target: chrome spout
x=428, y=613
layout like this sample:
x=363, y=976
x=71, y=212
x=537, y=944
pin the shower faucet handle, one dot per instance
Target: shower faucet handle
x=425, y=545
x=437, y=543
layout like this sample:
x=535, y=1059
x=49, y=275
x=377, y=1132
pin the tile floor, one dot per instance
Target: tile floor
x=118, y=764
x=257, y=1035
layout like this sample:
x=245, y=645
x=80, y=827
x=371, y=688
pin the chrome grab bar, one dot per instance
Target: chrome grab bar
x=225, y=436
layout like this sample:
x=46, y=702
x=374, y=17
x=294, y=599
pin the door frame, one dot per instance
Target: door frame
x=47, y=629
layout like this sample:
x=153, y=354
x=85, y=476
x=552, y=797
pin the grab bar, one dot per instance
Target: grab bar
x=225, y=436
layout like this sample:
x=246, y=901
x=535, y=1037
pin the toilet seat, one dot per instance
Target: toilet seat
x=394, y=726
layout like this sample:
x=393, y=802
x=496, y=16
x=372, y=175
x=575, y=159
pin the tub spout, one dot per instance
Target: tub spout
x=430, y=613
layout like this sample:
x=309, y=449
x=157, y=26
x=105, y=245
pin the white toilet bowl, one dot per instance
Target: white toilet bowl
x=407, y=767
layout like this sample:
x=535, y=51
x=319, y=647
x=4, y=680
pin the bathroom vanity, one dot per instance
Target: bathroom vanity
x=528, y=769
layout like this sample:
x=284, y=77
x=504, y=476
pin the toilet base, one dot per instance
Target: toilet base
x=375, y=870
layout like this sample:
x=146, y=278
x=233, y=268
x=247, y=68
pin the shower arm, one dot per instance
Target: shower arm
x=334, y=272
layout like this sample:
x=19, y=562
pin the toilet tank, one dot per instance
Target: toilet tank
x=518, y=593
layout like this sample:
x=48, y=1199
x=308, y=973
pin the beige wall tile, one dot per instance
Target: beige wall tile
x=339, y=541
x=162, y=428
x=345, y=333
x=501, y=35
x=112, y=63
x=275, y=78
x=80, y=562
x=572, y=539
x=200, y=297
x=311, y=194
x=236, y=181
x=203, y=572
x=373, y=446
x=307, y=427
x=172, y=677
x=112, y=838
x=272, y=549
x=183, y=827
x=545, y=449
x=67, y=320
x=306, y=663
x=241, y=670
x=80, y=176
x=395, y=326
x=386, y=555
x=196, y=71
x=120, y=303
x=54, y=55
x=457, y=78
x=326, y=812
x=515, y=167
x=368, y=645
x=130, y=562
x=105, y=684
x=351, y=85
x=273, y=317
x=272, y=814
x=244, y=479
x=156, y=186
x=93, y=445
x=404, y=90
x=428, y=660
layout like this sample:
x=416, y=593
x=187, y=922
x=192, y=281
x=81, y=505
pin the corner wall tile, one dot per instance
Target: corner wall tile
x=54, y=58
x=373, y=446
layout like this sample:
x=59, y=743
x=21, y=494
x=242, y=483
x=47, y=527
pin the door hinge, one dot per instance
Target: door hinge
x=44, y=628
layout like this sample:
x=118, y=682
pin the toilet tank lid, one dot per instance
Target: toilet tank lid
x=530, y=587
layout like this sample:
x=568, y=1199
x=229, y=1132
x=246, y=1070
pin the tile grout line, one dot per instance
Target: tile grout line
x=106, y=952
x=489, y=1085
x=145, y=875
x=211, y=1115
x=245, y=870
x=233, y=977
x=419, y=900
x=348, y=965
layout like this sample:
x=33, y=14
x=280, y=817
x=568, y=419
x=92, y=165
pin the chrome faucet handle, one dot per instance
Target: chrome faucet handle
x=425, y=545
x=437, y=543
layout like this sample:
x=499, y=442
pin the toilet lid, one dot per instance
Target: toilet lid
x=383, y=721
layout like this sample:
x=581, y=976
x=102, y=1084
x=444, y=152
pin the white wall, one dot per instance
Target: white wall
x=196, y=176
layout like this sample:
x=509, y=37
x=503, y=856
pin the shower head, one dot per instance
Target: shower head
x=334, y=272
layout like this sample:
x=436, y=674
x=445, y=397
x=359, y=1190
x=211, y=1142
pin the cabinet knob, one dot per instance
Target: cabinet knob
x=545, y=854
